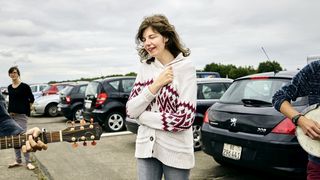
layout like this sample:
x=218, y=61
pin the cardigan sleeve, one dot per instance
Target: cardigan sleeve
x=183, y=116
x=140, y=97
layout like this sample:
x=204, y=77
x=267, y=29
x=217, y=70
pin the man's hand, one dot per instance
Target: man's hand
x=31, y=145
x=309, y=127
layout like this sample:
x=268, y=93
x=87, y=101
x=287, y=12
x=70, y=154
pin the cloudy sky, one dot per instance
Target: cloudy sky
x=69, y=39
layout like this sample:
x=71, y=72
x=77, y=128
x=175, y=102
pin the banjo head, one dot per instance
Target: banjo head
x=309, y=145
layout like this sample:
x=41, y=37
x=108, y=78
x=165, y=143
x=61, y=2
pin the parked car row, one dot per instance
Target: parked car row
x=47, y=103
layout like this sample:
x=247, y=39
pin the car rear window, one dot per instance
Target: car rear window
x=92, y=88
x=211, y=90
x=66, y=90
x=255, y=89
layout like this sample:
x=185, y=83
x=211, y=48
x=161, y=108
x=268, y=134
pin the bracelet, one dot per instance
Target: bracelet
x=296, y=118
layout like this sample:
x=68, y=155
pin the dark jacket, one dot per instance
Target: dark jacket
x=8, y=126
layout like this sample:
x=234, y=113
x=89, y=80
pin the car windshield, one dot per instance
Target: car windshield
x=253, y=91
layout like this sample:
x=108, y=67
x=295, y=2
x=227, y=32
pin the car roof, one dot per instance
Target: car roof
x=115, y=78
x=210, y=80
x=280, y=75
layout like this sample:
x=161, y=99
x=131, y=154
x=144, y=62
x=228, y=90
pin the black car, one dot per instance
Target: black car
x=209, y=92
x=71, y=101
x=105, y=102
x=244, y=129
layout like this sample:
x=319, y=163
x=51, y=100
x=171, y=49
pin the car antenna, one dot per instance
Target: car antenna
x=265, y=53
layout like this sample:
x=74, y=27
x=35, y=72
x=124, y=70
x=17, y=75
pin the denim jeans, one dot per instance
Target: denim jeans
x=9, y=127
x=21, y=119
x=152, y=168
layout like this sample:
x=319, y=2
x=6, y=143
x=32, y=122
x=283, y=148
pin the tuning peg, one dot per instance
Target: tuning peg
x=93, y=143
x=84, y=143
x=74, y=145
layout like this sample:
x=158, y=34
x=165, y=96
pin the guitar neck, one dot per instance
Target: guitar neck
x=7, y=142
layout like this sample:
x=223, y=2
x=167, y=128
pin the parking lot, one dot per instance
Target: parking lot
x=112, y=158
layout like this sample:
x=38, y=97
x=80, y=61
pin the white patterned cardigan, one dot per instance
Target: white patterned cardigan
x=166, y=118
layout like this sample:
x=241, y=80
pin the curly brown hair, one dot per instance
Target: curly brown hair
x=160, y=24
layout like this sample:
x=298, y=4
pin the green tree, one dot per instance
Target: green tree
x=269, y=66
x=131, y=74
x=241, y=71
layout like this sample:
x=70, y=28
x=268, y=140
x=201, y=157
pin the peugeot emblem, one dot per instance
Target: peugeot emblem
x=233, y=122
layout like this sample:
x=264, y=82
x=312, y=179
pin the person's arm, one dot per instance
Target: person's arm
x=298, y=87
x=183, y=117
x=140, y=97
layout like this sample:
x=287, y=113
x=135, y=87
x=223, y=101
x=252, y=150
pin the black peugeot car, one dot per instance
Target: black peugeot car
x=244, y=129
x=209, y=91
x=105, y=102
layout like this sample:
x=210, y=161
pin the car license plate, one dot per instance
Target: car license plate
x=231, y=151
x=88, y=104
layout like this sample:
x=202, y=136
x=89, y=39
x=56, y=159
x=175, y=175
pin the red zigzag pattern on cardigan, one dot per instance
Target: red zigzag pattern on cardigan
x=176, y=115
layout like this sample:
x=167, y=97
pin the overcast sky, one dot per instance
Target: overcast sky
x=69, y=39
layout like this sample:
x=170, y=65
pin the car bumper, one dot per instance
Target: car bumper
x=97, y=115
x=37, y=109
x=65, y=109
x=258, y=151
x=132, y=125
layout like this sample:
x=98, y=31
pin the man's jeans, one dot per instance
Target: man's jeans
x=9, y=127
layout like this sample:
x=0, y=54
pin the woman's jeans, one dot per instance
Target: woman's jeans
x=152, y=168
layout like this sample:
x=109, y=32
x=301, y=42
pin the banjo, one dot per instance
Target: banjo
x=309, y=145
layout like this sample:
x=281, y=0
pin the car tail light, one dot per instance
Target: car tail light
x=68, y=99
x=206, y=118
x=102, y=97
x=285, y=127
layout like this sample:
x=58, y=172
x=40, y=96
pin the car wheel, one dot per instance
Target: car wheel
x=197, y=143
x=52, y=110
x=114, y=122
x=77, y=114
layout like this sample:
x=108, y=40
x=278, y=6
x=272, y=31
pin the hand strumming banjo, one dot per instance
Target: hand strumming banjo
x=309, y=145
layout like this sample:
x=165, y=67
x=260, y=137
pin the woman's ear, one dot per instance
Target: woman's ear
x=166, y=39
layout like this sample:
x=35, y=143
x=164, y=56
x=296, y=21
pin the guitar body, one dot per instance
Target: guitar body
x=309, y=145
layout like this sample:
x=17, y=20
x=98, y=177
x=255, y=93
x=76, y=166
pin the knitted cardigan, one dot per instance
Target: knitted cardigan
x=166, y=118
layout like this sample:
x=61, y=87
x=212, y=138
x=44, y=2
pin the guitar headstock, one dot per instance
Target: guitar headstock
x=87, y=132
